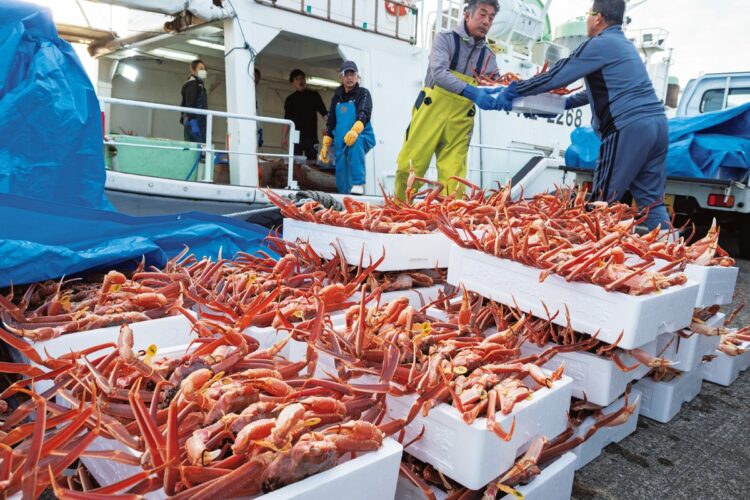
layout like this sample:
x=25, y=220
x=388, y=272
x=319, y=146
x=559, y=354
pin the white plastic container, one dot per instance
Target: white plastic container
x=597, y=377
x=661, y=401
x=268, y=336
x=471, y=454
x=716, y=283
x=724, y=369
x=688, y=352
x=402, y=251
x=554, y=483
x=592, y=308
x=543, y=104
x=592, y=448
x=372, y=475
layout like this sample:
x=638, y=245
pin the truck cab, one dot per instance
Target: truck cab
x=714, y=92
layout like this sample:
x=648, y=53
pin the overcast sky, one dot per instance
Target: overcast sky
x=707, y=36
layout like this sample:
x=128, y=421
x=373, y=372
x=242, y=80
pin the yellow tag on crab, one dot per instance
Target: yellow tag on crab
x=460, y=370
x=252, y=277
x=150, y=353
x=510, y=491
x=115, y=288
x=311, y=422
x=65, y=302
x=298, y=314
x=426, y=328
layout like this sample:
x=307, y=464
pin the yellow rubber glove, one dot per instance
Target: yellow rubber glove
x=353, y=133
x=327, y=141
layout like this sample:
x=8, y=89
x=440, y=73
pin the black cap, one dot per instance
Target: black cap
x=348, y=66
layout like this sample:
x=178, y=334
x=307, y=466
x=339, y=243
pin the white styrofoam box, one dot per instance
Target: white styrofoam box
x=268, y=336
x=661, y=401
x=592, y=448
x=543, y=104
x=592, y=308
x=597, y=377
x=688, y=352
x=163, y=332
x=725, y=369
x=472, y=454
x=555, y=482
x=716, y=283
x=372, y=475
x=402, y=251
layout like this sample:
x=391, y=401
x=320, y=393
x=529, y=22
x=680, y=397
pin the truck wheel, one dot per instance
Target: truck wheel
x=744, y=244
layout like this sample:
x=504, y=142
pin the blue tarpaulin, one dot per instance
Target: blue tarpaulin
x=55, y=219
x=709, y=146
x=40, y=241
x=51, y=127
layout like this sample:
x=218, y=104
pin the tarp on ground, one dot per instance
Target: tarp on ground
x=40, y=241
x=51, y=129
x=709, y=146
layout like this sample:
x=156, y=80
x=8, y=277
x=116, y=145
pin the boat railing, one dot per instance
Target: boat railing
x=208, y=148
x=398, y=19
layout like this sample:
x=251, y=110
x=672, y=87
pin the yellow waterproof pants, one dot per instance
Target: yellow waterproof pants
x=441, y=123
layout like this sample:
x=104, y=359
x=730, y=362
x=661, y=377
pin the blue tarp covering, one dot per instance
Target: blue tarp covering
x=710, y=146
x=55, y=219
x=51, y=129
x=48, y=240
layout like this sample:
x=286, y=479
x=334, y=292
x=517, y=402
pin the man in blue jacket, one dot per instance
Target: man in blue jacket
x=627, y=115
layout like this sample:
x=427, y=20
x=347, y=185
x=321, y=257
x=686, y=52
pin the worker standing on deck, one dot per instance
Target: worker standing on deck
x=627, y=115
x=443, y=116
x=194, y=96
x=302, y=107
x=349, y=131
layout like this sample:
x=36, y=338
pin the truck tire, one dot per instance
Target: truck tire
x=743, y=238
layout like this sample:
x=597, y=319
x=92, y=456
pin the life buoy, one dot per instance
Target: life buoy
x=396, y=10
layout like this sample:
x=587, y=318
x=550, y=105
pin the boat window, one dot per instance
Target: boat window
x=713, y=100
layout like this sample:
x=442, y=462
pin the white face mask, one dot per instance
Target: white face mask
x=202, y=74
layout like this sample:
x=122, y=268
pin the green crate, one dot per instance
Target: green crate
x=154, y=162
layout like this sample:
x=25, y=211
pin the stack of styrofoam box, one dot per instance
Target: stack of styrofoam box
x=163, y=333
x=661, y=401
x=555, y=482
x=372, y=475
x=592, y=448
x=473, y=455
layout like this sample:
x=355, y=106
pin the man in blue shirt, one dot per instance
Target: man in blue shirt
x=627, y=115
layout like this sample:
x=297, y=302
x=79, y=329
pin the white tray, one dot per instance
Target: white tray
x=592, y=308
x=595, y=376
x=688, y=353
x=592, y=448
x=546, y=104
x=402, y=251
x=661, y=401
x=372, y=475
x=716, y=283
x=554, y=483
x=472, y=455
x=723, y=369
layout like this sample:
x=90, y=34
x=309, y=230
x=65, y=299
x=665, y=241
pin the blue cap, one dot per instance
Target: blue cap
x=348, y=66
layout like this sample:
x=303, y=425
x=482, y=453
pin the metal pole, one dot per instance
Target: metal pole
x=208, y=166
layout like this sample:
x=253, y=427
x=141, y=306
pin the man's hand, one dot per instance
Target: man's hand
x=483, y=98
x=351, y=136
x=505, y=98
x=194, y=128
x=323, y=157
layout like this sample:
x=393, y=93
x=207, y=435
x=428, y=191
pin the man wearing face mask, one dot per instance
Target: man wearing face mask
x=349, y=131
x=194, y=96
x=443, y=115
x=626, y=113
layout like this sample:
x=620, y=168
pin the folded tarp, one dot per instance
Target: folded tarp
x=50, y=121
x=709, y=146
x=45, y=240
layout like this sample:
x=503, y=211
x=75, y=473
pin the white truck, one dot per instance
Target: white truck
x=702, y=200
